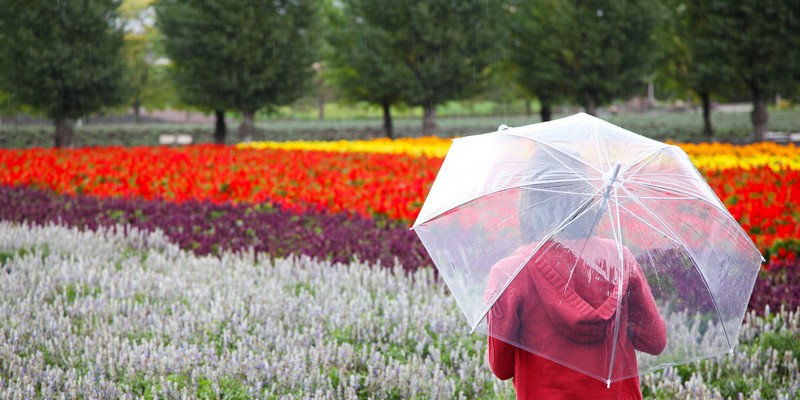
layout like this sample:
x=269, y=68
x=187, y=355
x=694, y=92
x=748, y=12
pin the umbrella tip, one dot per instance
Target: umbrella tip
x=608, y=383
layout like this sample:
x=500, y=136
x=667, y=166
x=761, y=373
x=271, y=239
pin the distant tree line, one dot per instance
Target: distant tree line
x=69, y=60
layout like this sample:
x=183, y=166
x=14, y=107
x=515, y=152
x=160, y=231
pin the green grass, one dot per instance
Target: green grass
x=454, y=119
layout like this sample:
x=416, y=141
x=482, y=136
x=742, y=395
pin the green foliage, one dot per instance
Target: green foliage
x=760, y=39
x=698, y=56
x=752, y=43
x=148, y=83
x=7, y=256
x=59, y=57
x=534, y=56
x=232, y=54
x=360, y=63
x=438, y=50
x=681, y=127
x=7, y=105
x=590, y=51
x=226, y=387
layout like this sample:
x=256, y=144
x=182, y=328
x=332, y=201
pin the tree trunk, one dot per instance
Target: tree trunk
x=651, y=95
x=137, y=111
x=708, y=131
x=528, y=108
x=591, y=107
x=220, y=130
x=247, y=128
x=428, y=119
x=759, y=115
x=388, y=128
x=321, y=102
x=65, y=133
x=546, y=110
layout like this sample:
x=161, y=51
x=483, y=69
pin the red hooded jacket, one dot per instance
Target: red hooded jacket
x=563, y=309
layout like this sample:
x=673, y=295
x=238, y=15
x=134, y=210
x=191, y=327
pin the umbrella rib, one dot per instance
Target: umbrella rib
x=602, y=149
x=648, y=223
x=494, y=299
x=647, y=209
x=676, y=190
x=543, y=201
x=666, y=184
x=665, y=198
x=644, y=164
x=672, y=183
x=682, y=176
x=702, y=276
x=705, y=239
x=594, y=225
x=583, y=209
x=617, y=229
x=548, y=148
x=725, y=213
x=438, y=213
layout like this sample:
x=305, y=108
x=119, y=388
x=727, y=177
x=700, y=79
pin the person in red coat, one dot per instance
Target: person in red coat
x=552, y=328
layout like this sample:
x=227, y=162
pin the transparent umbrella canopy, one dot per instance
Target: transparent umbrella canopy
x=589, y=245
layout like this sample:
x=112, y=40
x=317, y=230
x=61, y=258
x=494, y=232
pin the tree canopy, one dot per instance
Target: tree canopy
x=362, y=65
x=534, y=55
x=447, y=48
x=61, y=58
x=759, y=42
x=593, y=51
x=237, y=55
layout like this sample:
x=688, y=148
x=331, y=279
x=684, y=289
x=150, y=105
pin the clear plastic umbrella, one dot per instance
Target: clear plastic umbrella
x=588, y=245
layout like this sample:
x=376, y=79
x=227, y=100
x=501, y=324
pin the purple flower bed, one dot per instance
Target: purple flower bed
x=208, y=228
x=778, y=285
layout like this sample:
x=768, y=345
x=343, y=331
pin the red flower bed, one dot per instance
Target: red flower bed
x=368, y=184
x=764, y=201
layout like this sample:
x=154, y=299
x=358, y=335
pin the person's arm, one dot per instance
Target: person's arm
x=646, y=327
x=501, y=357
x=503, y=321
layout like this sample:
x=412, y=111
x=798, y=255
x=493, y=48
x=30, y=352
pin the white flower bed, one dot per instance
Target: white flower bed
x=114, y=315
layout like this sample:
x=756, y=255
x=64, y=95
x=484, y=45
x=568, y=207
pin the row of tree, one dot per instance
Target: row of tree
x=71, y=59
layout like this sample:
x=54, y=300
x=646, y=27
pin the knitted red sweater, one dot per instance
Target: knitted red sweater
x=557, y=309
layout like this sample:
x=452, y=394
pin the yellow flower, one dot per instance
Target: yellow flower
x=721, y=156
x=704, y=155
x=417, y=147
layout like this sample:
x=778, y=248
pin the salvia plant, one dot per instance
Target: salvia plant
x=123, y=312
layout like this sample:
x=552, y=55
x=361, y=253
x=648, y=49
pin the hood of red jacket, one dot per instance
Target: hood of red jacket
x=580, y=300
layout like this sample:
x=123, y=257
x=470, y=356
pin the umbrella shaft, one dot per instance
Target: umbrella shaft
x=610, y=182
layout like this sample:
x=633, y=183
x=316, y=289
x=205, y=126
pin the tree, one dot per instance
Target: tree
x=137, y=71
x=7, y=106
x=62, y=58
x=239, y=55
x=592, y=50
x=448, y=47
x=361, y=64
x=691, y=54
x=709, y=70
x=761, y=41
x=147, y=83
x=540, y=72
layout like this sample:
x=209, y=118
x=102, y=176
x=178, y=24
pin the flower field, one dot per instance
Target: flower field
x=372, y=179
x=287, y=270
x=124, y=314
